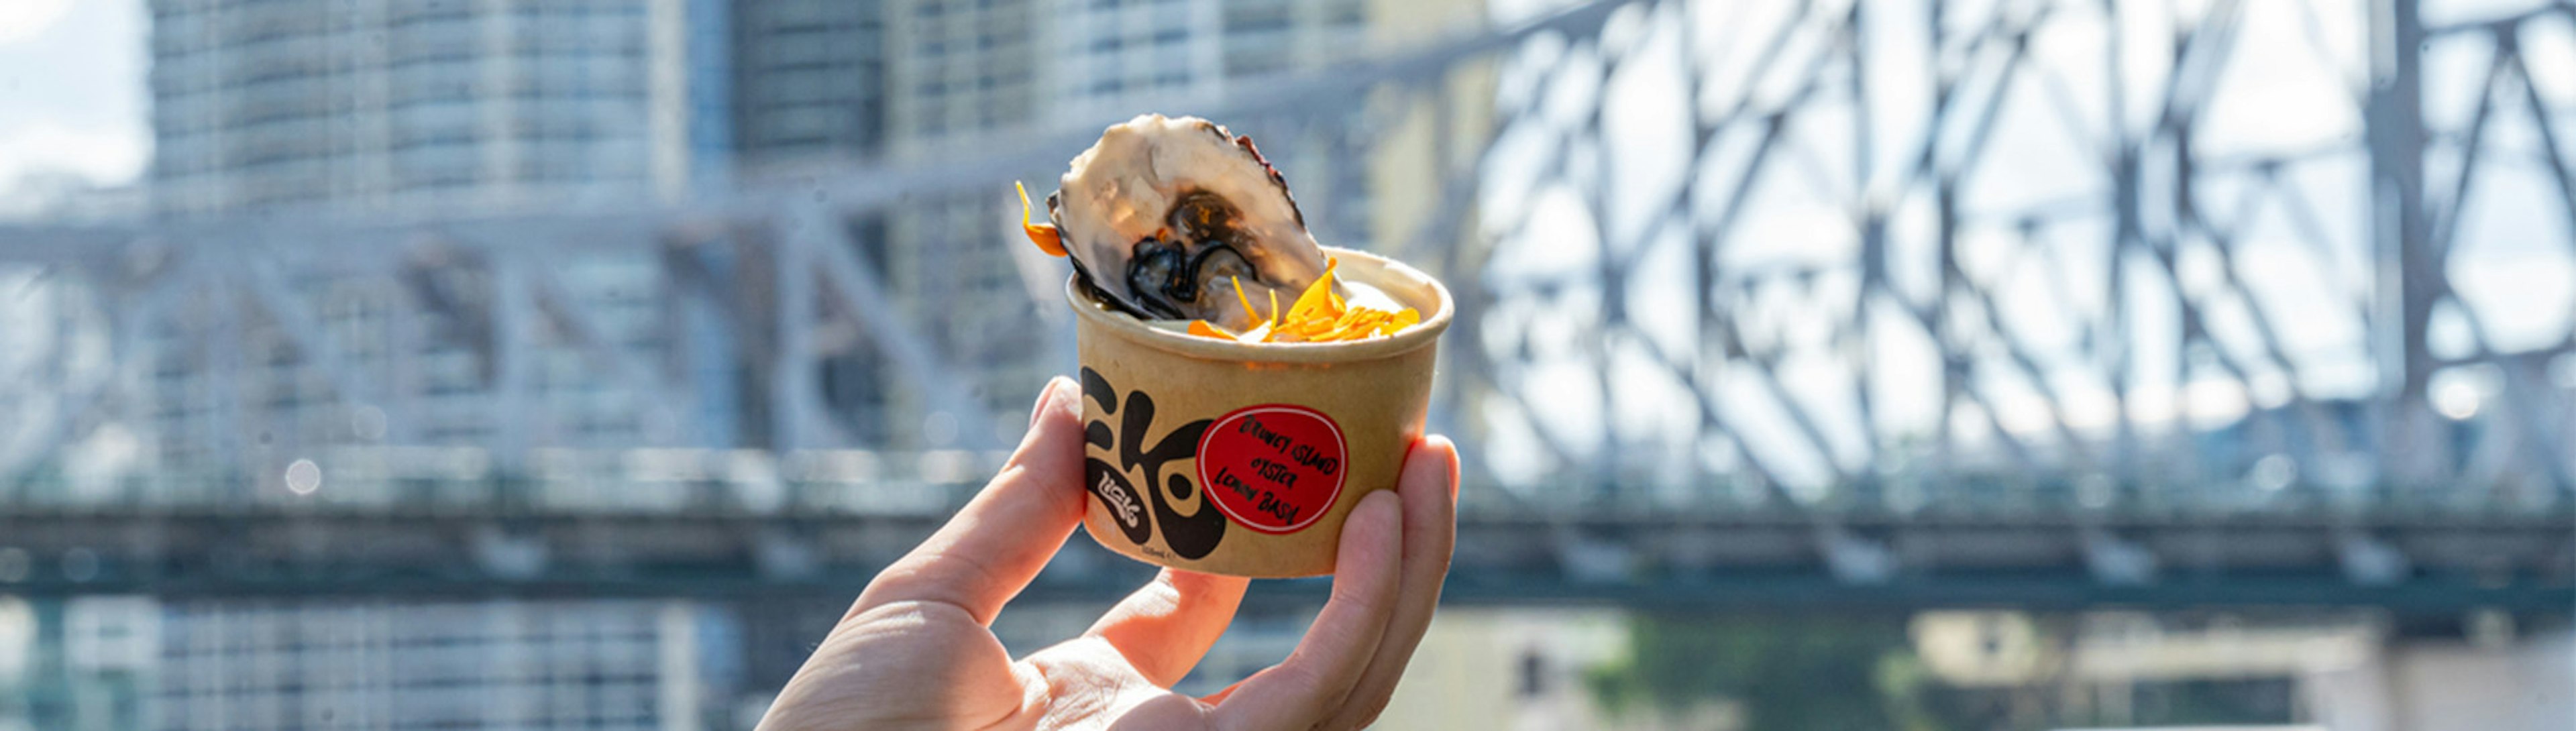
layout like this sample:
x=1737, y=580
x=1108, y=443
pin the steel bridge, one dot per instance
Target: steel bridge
x=2033, y=303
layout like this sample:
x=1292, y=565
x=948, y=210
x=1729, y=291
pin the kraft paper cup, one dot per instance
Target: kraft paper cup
x=1243, y=458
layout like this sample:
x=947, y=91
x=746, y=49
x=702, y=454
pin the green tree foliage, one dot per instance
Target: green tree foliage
x=1785, y=672
x=1858, y=672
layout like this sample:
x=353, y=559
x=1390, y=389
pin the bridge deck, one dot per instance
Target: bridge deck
x=2408, y=562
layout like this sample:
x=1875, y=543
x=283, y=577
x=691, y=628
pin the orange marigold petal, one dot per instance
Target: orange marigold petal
x=1248, y=312
x=1045, y=235
x=1316, y=297
x=1395, y=324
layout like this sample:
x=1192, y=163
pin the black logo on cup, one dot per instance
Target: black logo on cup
x=1189, y=536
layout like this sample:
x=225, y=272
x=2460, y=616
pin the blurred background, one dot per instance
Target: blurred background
x=1821, y=364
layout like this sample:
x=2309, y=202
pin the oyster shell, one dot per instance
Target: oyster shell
x=1164, y=216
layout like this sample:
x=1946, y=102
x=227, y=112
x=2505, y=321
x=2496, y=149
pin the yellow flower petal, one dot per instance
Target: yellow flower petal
x=1356, y=316
x=1319, y=315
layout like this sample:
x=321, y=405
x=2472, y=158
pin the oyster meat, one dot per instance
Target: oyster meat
x=1164, y=217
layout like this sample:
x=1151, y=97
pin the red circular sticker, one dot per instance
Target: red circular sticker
x=1273, y=468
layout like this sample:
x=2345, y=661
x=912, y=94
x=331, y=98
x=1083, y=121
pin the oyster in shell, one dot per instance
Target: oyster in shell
x=1165, y=216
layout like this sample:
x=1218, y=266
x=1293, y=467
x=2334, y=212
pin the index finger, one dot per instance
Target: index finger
x=1003, y=537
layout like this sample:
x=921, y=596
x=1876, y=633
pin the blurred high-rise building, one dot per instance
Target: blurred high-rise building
x=379, y=110
x=417, y=108
x=958, y=72
x=132, y=662
x=1114, y=58
x=808, y=79
x=958, y=69
x=535, y=665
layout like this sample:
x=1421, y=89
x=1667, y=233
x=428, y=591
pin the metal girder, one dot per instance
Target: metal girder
x=2409, y=564
x=573, y=320
x=1829, y=301
x=794, y=414
x=2201, y=268
x=314, y=343
x=2401, y=237
x=859, y=290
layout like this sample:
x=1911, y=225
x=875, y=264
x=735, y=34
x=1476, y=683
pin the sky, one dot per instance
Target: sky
x=72, y=90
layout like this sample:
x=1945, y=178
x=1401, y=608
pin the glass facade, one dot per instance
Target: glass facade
x=808, y=79
x=407, y=109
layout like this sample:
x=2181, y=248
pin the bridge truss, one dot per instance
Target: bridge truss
x=2131, y=297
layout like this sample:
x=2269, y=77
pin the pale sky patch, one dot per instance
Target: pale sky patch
x=21, y=19
x=72, y=75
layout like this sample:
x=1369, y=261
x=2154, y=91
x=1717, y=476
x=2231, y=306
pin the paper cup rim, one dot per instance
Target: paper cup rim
x=1433, y=323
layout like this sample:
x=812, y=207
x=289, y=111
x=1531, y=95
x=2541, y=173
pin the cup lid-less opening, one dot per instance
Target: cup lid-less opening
x=1406, y=285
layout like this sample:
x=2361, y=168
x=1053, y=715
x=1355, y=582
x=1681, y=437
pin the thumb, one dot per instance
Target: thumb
x=1002, y=538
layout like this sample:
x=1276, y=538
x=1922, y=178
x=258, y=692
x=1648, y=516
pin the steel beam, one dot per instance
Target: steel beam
x=2401, y=242
x=2412, y=565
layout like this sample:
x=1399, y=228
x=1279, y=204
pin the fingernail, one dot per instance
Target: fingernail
x=1450, y=463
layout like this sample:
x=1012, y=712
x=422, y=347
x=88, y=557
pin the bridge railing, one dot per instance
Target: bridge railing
x=733, y=483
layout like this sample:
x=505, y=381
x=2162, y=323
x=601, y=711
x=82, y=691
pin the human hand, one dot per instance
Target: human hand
x=917, y=650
